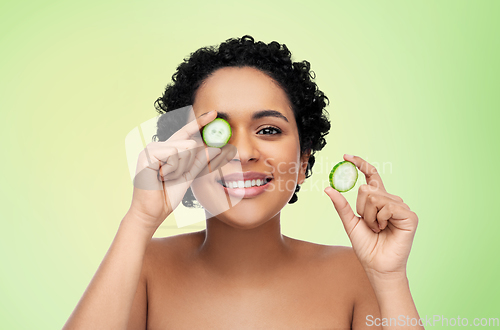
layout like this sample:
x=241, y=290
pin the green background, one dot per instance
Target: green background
x=413, y=89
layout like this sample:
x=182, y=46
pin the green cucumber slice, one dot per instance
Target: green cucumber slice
x=343, y=176
x=217, y=133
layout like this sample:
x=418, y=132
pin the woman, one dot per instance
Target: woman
x=241, y=272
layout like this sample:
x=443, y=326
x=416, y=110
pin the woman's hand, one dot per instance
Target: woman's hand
x=166, y=169
x=383, y=234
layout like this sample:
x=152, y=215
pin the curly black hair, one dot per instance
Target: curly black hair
x=274, y=59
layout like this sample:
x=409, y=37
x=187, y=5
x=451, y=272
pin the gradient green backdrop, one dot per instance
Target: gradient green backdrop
x=414, y=89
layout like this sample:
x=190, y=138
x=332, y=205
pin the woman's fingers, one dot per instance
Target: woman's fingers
x=349, y=219
x=169, y=165
x=400, y=217
x=366, y=190
x=186, y=159
x=194, y=126
x=187, y=155
x=157, y=152
x=173, y=163
x=182, y=165
x=203, y=157
x=373, y=203
x=227, y=154
x=150, y=161
x=380, y=209
x=159, y=162
x=370, y=172
x=192, y=156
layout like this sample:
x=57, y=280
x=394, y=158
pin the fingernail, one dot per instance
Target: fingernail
x=348, y=156
x=380, y=226
x=373, y=229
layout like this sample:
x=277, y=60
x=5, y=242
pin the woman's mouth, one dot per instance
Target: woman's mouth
x=245, y=188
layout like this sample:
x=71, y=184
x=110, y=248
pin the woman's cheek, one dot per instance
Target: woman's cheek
x=268, y=162
x=209, y=196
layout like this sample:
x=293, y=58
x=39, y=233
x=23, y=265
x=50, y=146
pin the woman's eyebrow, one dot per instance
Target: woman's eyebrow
x=268, y=113
x=256, y=115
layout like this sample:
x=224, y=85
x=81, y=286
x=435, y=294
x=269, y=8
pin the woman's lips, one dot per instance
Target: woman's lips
x=245, y=192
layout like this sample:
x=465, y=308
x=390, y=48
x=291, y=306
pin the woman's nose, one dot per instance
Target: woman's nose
x=246, y=150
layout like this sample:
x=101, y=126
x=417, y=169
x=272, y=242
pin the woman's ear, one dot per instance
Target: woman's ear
x=304, y=161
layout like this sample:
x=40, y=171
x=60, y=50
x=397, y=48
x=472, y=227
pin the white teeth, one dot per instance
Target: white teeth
x=245, y=184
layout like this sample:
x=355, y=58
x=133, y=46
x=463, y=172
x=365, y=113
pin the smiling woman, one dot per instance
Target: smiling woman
x=263, y=139
x=241, y=272
x=292, y=80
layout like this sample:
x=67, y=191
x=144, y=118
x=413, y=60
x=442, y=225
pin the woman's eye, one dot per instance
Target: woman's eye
x=270, y=130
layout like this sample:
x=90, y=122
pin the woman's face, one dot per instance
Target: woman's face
x=265, y=135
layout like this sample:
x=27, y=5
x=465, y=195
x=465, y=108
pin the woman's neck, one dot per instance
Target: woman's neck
x=243, y=253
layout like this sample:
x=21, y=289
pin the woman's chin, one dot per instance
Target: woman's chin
x=239, y=219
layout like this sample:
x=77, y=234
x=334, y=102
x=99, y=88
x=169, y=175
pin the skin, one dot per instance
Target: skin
x=241, y=269
x=241, y=272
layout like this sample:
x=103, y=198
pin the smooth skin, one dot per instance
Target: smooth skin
x=241, y=272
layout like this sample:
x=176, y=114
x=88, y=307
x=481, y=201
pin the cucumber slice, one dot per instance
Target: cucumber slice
x=343, y=176
x=217, y=133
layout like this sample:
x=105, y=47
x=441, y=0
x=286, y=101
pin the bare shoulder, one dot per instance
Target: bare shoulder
x=334, y=262
x=342, y=273
x=172, y=249
x=337, y=278
x=326, y=254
